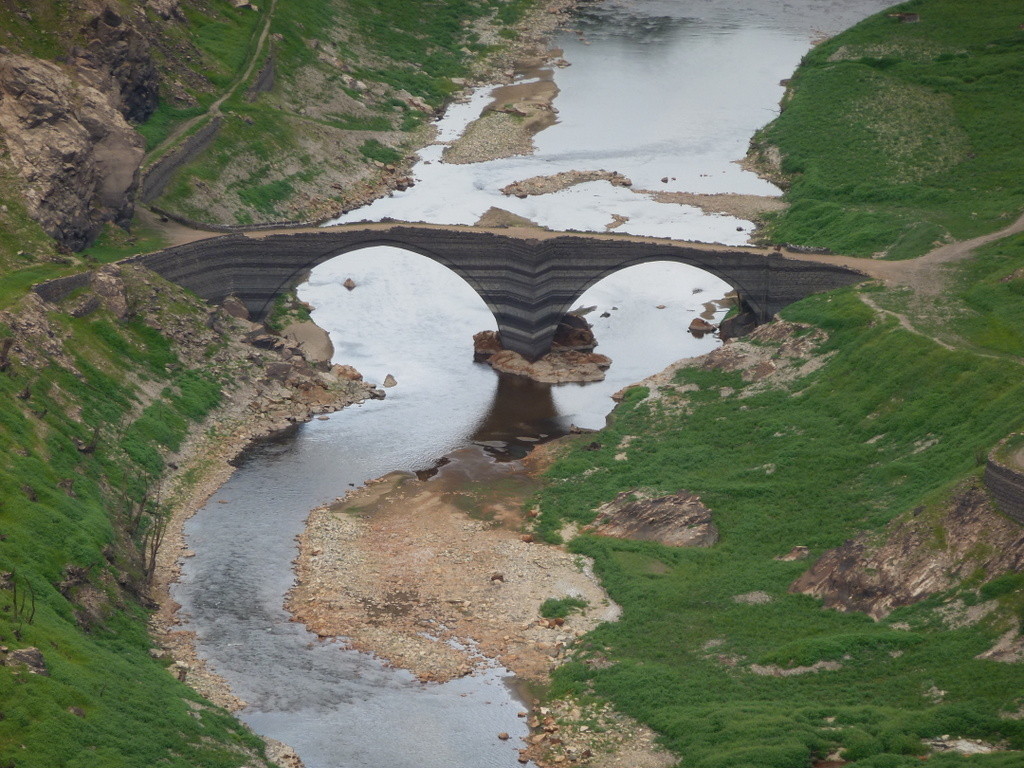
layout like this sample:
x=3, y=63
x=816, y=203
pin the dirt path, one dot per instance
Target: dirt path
x=922, y=274
x=214, y=109
x=904, y=321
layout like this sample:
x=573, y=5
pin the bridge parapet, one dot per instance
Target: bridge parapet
x=527, y=280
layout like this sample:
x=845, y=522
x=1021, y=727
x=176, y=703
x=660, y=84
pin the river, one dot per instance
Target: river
x=656, y=89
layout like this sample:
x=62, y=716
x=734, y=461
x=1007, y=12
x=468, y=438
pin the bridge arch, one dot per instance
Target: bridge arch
x=297, y=274
x=740, y=284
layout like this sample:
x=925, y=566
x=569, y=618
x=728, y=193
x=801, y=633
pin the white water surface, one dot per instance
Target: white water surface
x=656, y=89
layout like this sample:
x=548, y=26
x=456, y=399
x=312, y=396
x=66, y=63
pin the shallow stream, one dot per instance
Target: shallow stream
x=656, y=89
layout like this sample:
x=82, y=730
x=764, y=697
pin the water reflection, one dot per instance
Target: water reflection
x=520, y=407
x=600, y=22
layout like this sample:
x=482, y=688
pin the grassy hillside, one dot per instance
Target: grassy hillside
x=90, y=407
x=895, y=136
x=891, y=422
x=355, y=82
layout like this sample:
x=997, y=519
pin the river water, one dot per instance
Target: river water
x=657, y=88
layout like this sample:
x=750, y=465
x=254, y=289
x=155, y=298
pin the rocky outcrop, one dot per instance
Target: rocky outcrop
x=168, y=10
x=77, y=155
x=116, y=61
x=574, y=334
x=554, y=367
x=26, y=658
x=571, y=359
x=677, y=520
x=918, y=556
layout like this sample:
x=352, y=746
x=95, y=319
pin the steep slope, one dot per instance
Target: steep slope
x=99, y=395
x=902, y=132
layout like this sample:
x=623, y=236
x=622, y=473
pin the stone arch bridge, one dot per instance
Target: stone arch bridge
x=528, y=277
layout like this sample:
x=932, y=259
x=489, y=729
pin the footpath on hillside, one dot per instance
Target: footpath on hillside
x=213, y=111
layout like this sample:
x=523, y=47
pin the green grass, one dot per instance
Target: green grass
x=900, y=135
x=266, y=138
x=227, y=36
x=778, y=469
x=23, y=243
x=165, y=119
x=374, y=150
x=65, y=509
x=296, y=23
x=560, y=607
x=424, y=40
x=115, y=243
x=42, y=32
x=991, y=284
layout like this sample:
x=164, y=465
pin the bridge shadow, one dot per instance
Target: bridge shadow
x=520, y=408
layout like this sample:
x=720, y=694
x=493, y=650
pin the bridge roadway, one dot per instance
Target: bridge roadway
x=528, y=277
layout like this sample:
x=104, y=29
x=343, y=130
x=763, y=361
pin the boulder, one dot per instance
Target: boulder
x=699, y=326
x=485, y=344
x=29, y=657
x=235, y=307
x=109, y=288
x=262, y=340
x=390, y=381
x=346, y=373
x=278, y=371
x=573, y=333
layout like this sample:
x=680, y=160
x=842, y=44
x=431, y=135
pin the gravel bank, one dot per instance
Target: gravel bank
x=436, y=577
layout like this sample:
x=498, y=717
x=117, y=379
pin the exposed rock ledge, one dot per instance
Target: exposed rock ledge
x=78, y=156
x=554, y=367
x=913, y=561
x=676, y=520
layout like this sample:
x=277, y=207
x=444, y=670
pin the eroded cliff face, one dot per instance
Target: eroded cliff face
x=67, y=123
x=116, y=60
x=916, y=556
x=73, y=148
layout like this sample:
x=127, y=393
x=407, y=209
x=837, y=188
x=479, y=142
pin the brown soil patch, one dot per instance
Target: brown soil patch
x=748, y=207
x=499, y=218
